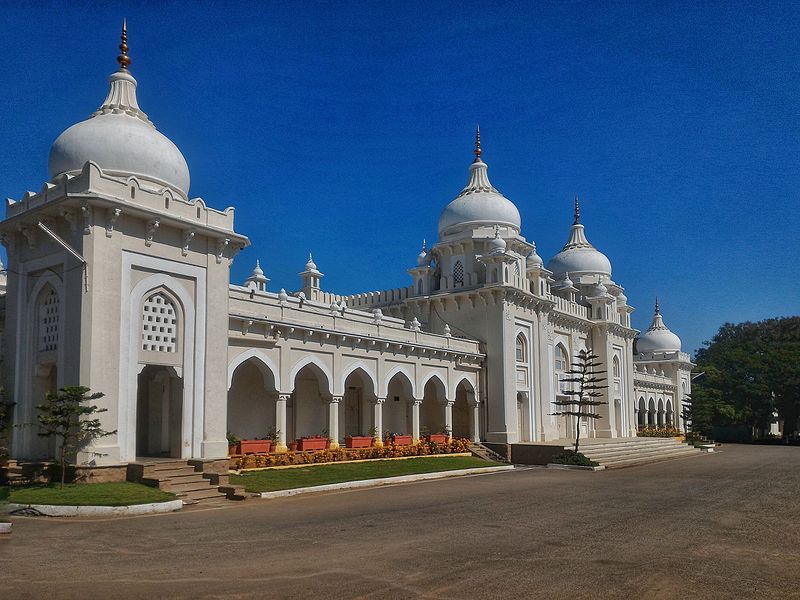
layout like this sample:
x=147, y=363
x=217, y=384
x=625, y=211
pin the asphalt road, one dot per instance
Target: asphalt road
x=724, y=525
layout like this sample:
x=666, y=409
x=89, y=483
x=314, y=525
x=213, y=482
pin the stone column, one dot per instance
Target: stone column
x=415, y=421
x=333, y=421
x=448, y=418
x=377, y=420
x=280, y=421
x=474, y=423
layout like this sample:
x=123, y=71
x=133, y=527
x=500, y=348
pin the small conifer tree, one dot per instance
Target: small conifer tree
x=584, y=394
x=69, y=417
x=686, y=414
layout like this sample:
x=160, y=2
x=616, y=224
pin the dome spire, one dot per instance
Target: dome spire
x=658, y=312
x=123, y=59
x=478, y=144
x=577, y=211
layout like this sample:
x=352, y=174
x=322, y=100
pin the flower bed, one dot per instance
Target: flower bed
x=254, y=461
x=665, y=432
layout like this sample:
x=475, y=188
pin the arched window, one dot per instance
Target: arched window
x=616, y=367
x=159, y=324
x=458, y=273
x=561, y=367
x=516, y=269
x=521, y=349
x=48, y=320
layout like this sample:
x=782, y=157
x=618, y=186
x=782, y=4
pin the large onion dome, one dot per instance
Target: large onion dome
x=479, y=203
x=120, y=138
x=657, y=338
x=578, y=256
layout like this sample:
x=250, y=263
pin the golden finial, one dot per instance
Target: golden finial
x=123, y=59
x=577, y=211
x=478, y=144
x=658, y=312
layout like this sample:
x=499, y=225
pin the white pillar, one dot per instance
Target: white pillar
x=448, y=418
x=333, y=421
x=474, y=423
x=415, y=421
x=280, y=421
x=377, y=420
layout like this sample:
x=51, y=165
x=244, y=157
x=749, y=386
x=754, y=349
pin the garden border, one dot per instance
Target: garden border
x=575, y=467
x=348, y=462
x=56, y=510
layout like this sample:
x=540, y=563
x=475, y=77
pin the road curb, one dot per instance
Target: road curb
x=366, y=483
x=51, y=510
x=575, y=467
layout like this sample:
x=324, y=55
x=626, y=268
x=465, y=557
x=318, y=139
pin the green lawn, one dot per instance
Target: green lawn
x=90, y=494
x=285, y=479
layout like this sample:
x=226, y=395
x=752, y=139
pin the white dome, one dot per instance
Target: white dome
x=657, y=338
x=578, y=256
x=479, y=203
x=498, y=244
x=120, y=139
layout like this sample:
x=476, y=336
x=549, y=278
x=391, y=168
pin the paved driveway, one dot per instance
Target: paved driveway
x=725, y=525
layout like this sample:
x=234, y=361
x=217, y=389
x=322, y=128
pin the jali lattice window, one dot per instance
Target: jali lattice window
x=458, y=273
x=159, y=324
x=48, y=321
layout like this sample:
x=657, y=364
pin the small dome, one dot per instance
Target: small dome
x=424, y=257
x=657, y=338
x=534, y=261
x=479, y=203
x=578, y=256
x=600, y=289
x=121, y=140
x=498, y=244
x=311, y=265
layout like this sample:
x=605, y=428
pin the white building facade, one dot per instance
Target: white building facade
x=119, y=281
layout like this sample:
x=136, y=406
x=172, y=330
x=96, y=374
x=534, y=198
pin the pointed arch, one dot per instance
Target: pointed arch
x=398, y=370
x=434, y=375
x=261, y=360
x=352, y=368
x=317, y=364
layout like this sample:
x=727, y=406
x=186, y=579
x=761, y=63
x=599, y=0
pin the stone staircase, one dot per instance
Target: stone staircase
x=186, y=479
x=630, y=452
x=485, y=453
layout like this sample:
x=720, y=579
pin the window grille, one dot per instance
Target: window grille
x=458, y=273
x=48, y=322
x=159, y=324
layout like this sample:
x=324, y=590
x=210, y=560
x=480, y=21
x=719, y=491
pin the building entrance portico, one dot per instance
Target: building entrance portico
x=159, y=430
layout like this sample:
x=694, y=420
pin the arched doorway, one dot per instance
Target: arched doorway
x=309, y=412
x=251, y=401
x=651, y=413
x=642, y=413
x=462, y=410
x=359, y=393
x=431, y=418
x=397, y=408
x=159, y=412
x=660, y=414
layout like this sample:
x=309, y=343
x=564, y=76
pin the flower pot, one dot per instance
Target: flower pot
x=292, y=446
x=438, y=438
x=254, y=446
x=312, y=443
x=234, y=449
x=358, y=441
x=401, y=440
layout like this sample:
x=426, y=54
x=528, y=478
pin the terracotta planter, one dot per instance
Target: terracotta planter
x=292, y=446
x=234, y=449
x=255, y=446
x=358, y=441
x=312, y=443
x=401, y=440
x=439, y=438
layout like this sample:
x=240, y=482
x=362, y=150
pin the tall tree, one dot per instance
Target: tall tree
x=750, y=371
x=584, y=394
x=69, y=417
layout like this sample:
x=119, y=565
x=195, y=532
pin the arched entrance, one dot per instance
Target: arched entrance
x=251, y=401
x=309, y=410
x=359, y=394
x=462, y=410
x=641, y=414
x=398, y=406
x=159, y=412
x=431, y=418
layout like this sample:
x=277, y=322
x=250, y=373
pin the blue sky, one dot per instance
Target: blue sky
x=345, y=128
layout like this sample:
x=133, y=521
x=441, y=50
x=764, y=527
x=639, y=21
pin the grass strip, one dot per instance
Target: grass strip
x=271, y=480
x=89, y=494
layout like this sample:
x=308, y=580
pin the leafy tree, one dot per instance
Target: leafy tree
x=686, y=413
x=585, y=393
x=750, y=370
x=70, y=419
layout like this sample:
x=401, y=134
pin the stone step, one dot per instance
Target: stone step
x=644, y=442
x=186, y=486
x=649, y=460
x=202, y=494
x=612, y=452
x=609, y=458
x=233, y=492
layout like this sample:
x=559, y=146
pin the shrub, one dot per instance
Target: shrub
x=570, y=457
x=665, y=432
x=423, y=448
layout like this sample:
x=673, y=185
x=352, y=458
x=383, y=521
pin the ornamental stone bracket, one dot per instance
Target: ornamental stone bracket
x=111, y=218
x=152, y=225
x=71, y=219
x=29, y=233
x=188, y=235
x=86, y=212
x=222, y=243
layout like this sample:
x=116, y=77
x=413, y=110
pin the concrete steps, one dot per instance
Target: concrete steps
x=184, y=479
x=485, y=453
x=632, y=452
